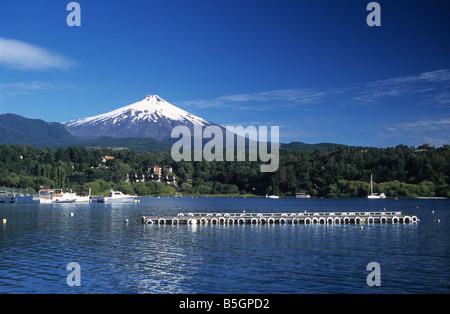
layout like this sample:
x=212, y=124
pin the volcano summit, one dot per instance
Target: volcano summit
x=151, y=117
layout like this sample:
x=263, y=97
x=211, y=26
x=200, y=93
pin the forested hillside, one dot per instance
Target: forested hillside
x=338, y=172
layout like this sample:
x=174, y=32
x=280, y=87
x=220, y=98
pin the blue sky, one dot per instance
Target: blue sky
x=313, y=68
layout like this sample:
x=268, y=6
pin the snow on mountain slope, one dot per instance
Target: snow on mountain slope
x=150, y=117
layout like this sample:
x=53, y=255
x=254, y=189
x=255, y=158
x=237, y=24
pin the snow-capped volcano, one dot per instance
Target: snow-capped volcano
x=151, y=117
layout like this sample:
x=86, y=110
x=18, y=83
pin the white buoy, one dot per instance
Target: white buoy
x=71, y=214
x=4, y=220
x=126, y=221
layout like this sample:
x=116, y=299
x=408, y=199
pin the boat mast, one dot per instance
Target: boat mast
x=273, y=186
x=371, y=185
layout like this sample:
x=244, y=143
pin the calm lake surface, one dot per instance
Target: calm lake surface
x=39, y=241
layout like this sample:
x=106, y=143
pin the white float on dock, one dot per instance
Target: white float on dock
x=322, y=218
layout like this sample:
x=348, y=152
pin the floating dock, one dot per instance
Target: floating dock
x=324, y=218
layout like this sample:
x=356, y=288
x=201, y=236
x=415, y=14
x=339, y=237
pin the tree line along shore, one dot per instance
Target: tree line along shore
x=337, y=172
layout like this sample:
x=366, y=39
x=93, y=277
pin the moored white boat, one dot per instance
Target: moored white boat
x=273, y=196
x=374, y=195
x=302, y=195
x=52, y=196
x=118, y=197
x=57, y=196
x=79, y=199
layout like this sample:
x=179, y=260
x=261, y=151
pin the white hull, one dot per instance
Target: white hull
x=83, y=199
x=57, y=200
x=59, y=197
x=374, y=196
x=78, y=199
x=118, y=197
x=116, y=200
x=273, y=197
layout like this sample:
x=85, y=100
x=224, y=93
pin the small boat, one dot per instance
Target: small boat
x=80, y=199
x=64, y=201
x=302, y=195
x=118, y=197
x=57, y=196
x=374, y=195
x=273, y=196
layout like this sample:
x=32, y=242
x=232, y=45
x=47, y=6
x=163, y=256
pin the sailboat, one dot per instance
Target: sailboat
x=273, y=196
x=374, y=195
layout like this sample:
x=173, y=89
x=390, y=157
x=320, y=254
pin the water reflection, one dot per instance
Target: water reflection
x=39, y=241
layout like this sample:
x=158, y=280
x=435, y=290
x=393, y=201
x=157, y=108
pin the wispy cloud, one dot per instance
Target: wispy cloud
x=8, y=90
x=433, y=131
x=414, y=109
x=441, y=125
x=23, y=88
x=23, y=56
x=434, y=85
x=429, y=84
x=260, y=101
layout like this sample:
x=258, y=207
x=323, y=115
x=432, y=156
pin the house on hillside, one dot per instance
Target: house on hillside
x=106, y=158
x=155, y=173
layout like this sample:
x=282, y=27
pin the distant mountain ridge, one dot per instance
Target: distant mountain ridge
x=151, y=117
x=305, y=146
x=144, y=126
x=15, y=129
x=137, y=144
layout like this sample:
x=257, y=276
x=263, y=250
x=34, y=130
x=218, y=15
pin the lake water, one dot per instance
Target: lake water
x=39, y=241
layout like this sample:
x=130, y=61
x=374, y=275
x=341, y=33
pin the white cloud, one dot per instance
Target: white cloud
x=431, y=86
x=435, y=132
x=346, y=111
x=289, y=97
x=9, y=90
x=427, y=84
x=23, y=56
x=422, y=125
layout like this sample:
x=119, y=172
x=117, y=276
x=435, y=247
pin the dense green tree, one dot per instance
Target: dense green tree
x=333, y=172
